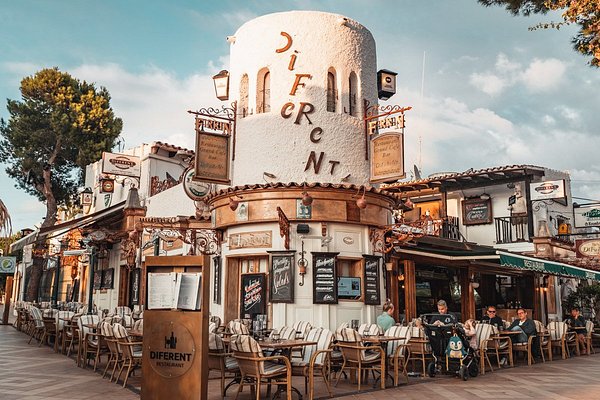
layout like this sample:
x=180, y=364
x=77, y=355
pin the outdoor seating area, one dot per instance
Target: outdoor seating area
x=299, y=361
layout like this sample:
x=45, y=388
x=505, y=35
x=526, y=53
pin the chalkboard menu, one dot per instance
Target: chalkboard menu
x=372, y=280
x=108, y=278
x=98, y=279
x=477, y=211
x=281, y=278
x=324, y=278
x=253, y=297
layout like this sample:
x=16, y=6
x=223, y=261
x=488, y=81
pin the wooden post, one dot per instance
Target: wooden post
x=8, y=295
x=410, y=290
x=467, y=300
x=392, y=285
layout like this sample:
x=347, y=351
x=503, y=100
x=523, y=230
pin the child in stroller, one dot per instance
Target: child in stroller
x=450, y=348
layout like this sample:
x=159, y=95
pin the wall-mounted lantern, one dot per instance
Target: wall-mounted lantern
x=86, y=197
x=221, y=81
x=386, y=84
x=107, y=185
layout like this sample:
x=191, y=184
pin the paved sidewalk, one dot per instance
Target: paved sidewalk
x=31, y=372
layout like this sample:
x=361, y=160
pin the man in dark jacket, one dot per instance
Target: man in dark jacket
x=524, y=325
x=492, y=319
x=577, y=323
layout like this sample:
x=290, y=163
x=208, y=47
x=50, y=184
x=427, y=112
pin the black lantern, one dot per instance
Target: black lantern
x=386, y=84
x=86, y=197
x=221, y=81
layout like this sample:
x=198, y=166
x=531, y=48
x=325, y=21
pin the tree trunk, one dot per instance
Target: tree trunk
x=39, y=248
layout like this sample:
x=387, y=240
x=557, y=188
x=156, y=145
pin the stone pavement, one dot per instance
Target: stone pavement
x=31, y=372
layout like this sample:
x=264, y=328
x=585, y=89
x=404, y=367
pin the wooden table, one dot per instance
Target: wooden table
x=135, y=333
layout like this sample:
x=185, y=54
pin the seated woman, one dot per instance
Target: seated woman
x=470, y=332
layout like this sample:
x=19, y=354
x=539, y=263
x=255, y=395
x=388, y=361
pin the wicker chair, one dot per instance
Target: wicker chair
x=483, y=334
x=49, y=330
x=369, y=330
x=315, y=359
x=237, y=328
x=61, y=319
x=589, y=326
x=398, y=351
x=525, y=347
x=255, y=368
x=88, y=339
x=72, y=334
x=131, y=357
x=114, y=356
x=359, y=357
x=419, y=347
x=543, y=340
x=36, y=325
x=302, y=328
x=220, y=360
x=139, y=325
x=558, y=337
x=122, y=311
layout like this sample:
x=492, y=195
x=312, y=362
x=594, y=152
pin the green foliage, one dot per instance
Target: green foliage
x=584, y=297
x=59, y=126
x=585, y=13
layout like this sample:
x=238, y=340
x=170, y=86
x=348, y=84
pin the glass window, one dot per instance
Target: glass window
x=352, y=94
x=263, y=92
x=331, y=92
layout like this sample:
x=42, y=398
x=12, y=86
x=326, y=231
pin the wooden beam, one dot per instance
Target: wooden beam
x=410, y=290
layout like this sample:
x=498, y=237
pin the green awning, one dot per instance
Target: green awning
x=545, y=266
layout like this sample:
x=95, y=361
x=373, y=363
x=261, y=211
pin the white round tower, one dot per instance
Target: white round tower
x=300, y=80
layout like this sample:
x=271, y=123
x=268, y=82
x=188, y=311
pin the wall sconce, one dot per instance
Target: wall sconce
x=484, y=196
x=306, y=199
x=221, y=81
x=362, y=202
x=400, y=277
x=389, y=266
x=86, y=197
x=234, y=201
x=544, y=285
x=302, y=262
x=107, y=185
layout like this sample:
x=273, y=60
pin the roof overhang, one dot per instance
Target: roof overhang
x=518, y=261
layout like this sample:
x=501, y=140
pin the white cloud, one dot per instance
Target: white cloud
x=20, y=69
x=544, y=75
x=488, y=83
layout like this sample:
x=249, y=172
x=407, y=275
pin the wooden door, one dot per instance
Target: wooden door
x=123, y=286
x=232, y=285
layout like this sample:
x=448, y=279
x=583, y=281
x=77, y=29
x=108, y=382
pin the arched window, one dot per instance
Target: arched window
x=243, y=107
x=263, y=91
x=331, y=91
x=353, y=94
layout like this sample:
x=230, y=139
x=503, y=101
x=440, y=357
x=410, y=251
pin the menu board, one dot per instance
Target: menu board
x=281, y=278
x=253, y=296
x=97, y=279
x=324, y=278
x=107, y=278
x=477, y=211
x=372, y=280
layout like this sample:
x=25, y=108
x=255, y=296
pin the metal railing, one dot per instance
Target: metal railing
x=511, y=229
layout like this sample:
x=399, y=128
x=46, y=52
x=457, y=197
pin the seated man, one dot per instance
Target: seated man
x=577, y=321
x=524, y=325
x=492, y=319
x=442, y=318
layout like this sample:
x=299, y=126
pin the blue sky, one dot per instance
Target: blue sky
x=494, y=92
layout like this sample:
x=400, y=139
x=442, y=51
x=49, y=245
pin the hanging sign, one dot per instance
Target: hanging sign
x=587, y=215
x=585, y=248
x=8, y=265
x=195, y=190
x=121, y=164
x=372, y=280
x=212, y=158
x=281, y=278
x=387, y=157
x=325, y=290
x=547, y=190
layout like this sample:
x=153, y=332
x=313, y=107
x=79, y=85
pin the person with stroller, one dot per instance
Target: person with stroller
x=524, y=325
x=386, y=320
x=492, y=319
x=442, y=318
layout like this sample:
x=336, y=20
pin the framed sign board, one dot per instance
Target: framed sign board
x=477, y=211
x=325, y=289
x=253, y=296
x=371, y=275
x=281, y=278
x=387, y=157
x=108, y=278
x=212, y=158
x=98, y=279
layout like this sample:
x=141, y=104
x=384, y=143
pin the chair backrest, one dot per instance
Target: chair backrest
x=237, y=328
x=417, y=332
x=127, y=321
x=302, y=328
x=60, y=318
x=557, y=329
x=539, y=326
x=483, y=333
x=215, y=343
x=370, y=329
x=589, y=326
x=122, y=311
x=212, y=327
x=348, y=335
x=139, y=325
x=285, y=333
x=49, y=312
x=216, y=320
x=324, y=338
x=343, y=325
x=246, y=346
x=90, y=319
x=36, y=314
x=402, y=333
x=119, y=331
x=106, y=329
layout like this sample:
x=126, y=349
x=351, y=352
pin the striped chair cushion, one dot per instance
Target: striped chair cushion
x=417, y=333
x=87, y=320
x=237, y=328
x=60, y=319
x=287, y=333
x=215, y=343
x=121, y=311
x=348, y=335
x=119, y=331
x=589, y=326
x=302, y=328
x=401, y=332
x=139, y=325
x=36, y=314
x=231, y=364
x=49, y=313
x=269, y=367
x=370, y=355
x=323, y=337
x=483, y=333
x=245, y=344
x=342, y=326
x=106, y=329
x=127, y=321
x=212, y=327
x=216, y=320
x=557, y=330
x=369, y=329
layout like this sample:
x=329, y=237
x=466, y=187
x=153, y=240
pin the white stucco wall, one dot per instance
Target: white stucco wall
x=319, y=41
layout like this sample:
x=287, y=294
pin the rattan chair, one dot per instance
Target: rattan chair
x=220, y=360
x=114, y=356
x=398, y=351
x=315, y=359
x=131, y=357
x=483, y=334
x=255, y=368
x=88, y=338
x=369, y=330
x=589, y=326
x=419, y=348
x=543, y=340
x=36, y=325
x=359, y=357
x=558, y=337
x=236, y=327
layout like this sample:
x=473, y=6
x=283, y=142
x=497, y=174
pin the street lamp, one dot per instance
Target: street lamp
x=221, y=81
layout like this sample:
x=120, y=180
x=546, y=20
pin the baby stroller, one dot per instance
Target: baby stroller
x=450, y=348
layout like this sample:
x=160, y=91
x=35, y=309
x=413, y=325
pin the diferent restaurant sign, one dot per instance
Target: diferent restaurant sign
x=171, y=349
x=547, y=267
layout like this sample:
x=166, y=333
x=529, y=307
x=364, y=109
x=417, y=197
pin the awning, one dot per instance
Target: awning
x=24, y=241
x=518, y=261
